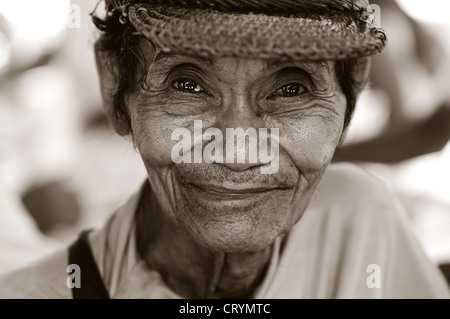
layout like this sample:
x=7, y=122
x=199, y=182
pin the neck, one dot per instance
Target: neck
x=189, y=269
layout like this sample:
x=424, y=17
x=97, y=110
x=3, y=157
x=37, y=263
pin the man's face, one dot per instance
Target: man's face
x=227, y=206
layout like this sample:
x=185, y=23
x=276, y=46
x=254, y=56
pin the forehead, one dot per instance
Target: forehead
x=160, y=61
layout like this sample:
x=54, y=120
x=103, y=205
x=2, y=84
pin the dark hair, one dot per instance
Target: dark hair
x=119, y=45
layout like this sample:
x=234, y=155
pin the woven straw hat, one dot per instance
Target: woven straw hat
x=281, y=29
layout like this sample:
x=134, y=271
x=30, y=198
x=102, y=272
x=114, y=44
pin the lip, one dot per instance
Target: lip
x=234, y=191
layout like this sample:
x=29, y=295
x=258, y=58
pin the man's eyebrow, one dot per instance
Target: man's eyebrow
x=307, y=66
x=167, y=56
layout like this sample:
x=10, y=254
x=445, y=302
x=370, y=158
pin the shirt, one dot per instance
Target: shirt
x=354, y=241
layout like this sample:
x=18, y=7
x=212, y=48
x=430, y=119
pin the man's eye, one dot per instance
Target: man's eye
x=290, y=90
x=187, y=85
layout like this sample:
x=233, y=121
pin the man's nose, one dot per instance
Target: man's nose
x=239, y=120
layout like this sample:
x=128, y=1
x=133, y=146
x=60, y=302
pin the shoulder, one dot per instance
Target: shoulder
x=345, y=180
x=351, y=191
x=356, y=221
x=361, y=206
x=45, y=279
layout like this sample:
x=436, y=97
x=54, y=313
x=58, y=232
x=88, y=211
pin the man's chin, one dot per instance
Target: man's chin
x=231, y=238
x=239, y=225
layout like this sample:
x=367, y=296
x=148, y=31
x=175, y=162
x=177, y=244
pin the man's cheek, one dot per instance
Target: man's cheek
x=309, y=154
x=154, y=139
x=312, y=144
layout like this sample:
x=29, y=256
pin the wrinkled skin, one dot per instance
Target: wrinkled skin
x=211, y=226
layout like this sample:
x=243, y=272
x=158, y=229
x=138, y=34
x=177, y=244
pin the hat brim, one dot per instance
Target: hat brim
x=210, y=33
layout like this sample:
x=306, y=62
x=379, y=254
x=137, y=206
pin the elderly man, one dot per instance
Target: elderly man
x=236, y=108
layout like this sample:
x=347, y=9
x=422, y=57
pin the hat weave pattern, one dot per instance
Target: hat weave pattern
x=205, y=31
x=263, y=6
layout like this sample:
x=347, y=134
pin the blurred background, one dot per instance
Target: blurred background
x=63, y=169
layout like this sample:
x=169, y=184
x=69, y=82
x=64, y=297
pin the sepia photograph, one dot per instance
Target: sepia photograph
x=248, y=150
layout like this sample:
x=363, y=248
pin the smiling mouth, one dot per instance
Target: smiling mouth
x=234, y=191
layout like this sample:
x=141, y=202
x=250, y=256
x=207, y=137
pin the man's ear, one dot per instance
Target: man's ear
x=109, y=82
x=361, y=73
x=343, y=137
